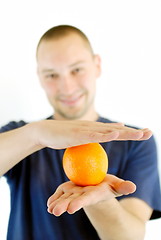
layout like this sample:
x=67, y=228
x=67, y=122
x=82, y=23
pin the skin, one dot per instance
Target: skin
x=68, y=72
x=59, y=135
x=69, y=80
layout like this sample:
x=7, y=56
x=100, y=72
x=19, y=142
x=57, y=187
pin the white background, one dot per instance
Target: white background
x=127, y=35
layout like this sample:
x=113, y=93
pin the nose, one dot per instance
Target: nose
x=68, y=84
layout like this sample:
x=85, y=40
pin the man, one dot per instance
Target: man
x=68, y=69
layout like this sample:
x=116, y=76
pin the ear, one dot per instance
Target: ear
x=97, y=61
x=39, y=77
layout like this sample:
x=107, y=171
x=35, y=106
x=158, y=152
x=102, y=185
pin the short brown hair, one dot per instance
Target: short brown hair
x=62, y=31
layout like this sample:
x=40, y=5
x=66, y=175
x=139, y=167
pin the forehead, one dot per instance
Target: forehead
x=67, y=49
x=67, y=43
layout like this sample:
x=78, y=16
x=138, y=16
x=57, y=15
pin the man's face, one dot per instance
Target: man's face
x=68, y=71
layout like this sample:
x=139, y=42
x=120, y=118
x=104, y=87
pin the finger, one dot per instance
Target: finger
x=62, y=204
x=81, y=201
x=56, y=207
x=120, y=186
x=146, y=134
x=104, y=137
x=90, y=136
x=55, y=196
x=117, y=132
x=61, y=190
x=130, y=135
x=128, y=132
x=89, y=196
x=125, y=188
x=96, y=126
x=140, y=134
x=120, y=124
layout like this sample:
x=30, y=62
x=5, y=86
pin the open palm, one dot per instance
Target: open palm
x=70, y=198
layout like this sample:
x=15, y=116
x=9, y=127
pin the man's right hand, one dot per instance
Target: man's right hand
x=62, y=134
x=16, y=144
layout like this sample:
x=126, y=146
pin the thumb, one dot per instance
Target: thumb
x=125, y=187
x=120, y=186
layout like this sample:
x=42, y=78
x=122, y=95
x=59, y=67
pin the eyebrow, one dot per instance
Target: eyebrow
x=76, y=63
x=49, y=70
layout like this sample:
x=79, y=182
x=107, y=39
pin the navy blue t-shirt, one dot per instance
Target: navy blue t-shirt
x=35, y=178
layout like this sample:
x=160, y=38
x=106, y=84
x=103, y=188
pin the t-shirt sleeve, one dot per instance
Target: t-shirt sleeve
x=142, y=169
x=12, y=125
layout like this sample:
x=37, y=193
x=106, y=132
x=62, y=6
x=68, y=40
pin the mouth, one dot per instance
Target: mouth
x=71, y=101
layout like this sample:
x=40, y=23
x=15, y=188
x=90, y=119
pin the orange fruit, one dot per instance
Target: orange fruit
x=85, y=164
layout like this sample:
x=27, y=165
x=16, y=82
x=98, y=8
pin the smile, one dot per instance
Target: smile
x=71, y=101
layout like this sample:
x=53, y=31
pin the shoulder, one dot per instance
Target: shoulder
x=104, y=120
x=12, y=125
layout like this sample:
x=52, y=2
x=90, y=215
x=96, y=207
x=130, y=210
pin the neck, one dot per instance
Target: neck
x=90, y=116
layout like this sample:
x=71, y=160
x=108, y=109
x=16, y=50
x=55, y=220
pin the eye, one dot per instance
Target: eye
x=52, y=76
x=77, y=70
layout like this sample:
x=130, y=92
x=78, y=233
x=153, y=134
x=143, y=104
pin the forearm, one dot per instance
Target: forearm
x=16, y=145
x=113, y=222
x=21, y=142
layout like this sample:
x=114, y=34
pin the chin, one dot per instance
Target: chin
x=73, y=115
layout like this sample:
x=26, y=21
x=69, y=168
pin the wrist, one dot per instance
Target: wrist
x=34, y=133
x=111, y=205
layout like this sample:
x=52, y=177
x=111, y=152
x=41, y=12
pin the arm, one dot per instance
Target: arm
x=112, y=219
x=120, y=220
x=16, y=144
